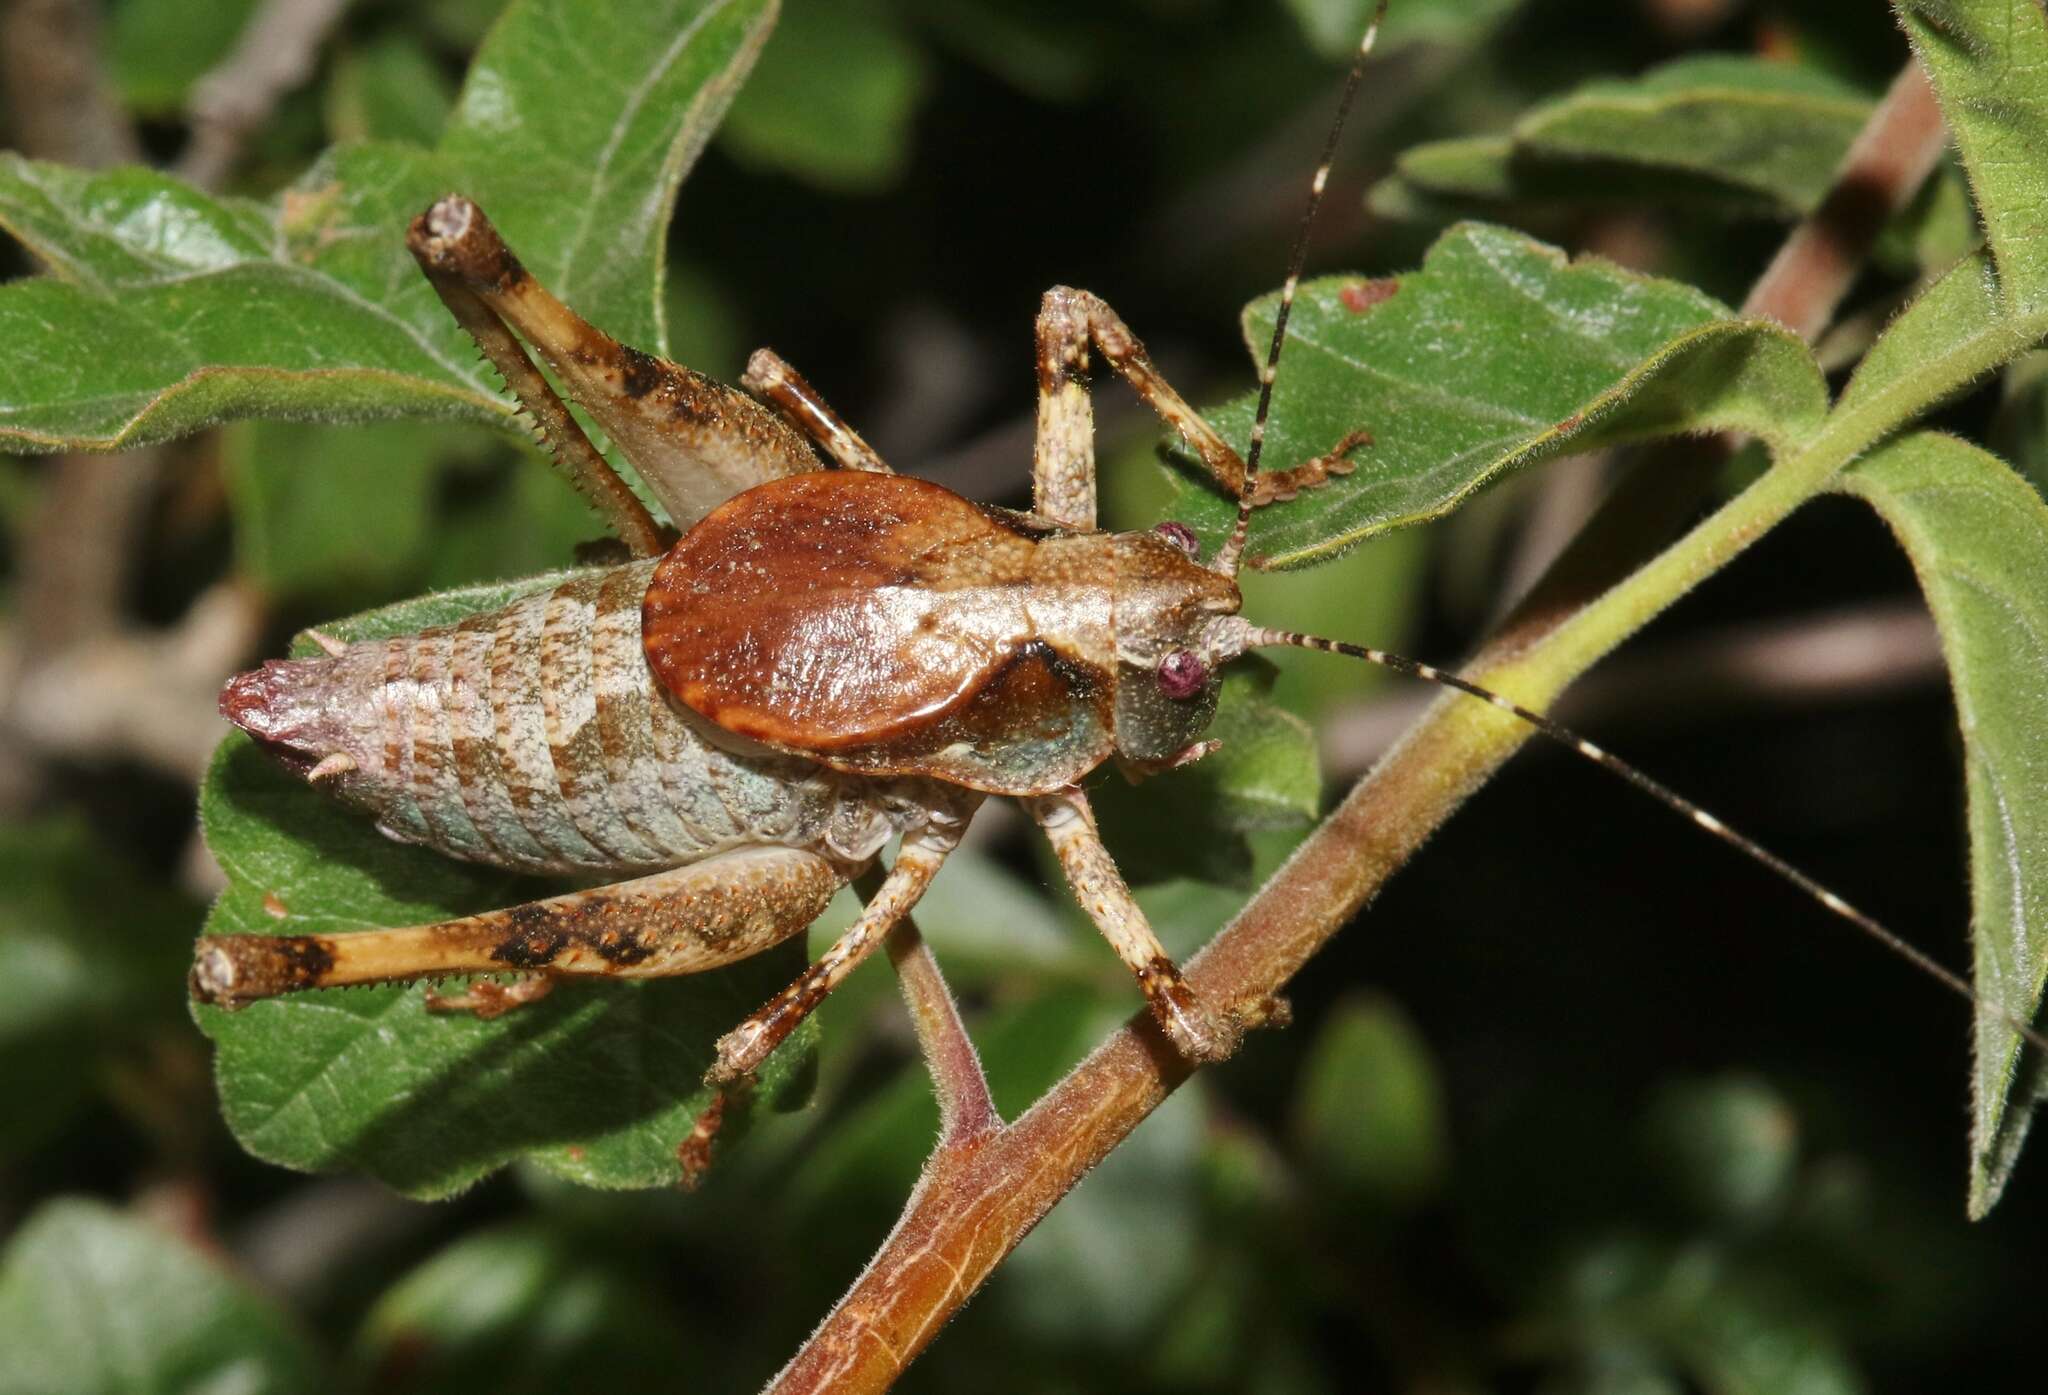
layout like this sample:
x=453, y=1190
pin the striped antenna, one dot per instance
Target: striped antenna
x=1233, y=550
x=1259, y=636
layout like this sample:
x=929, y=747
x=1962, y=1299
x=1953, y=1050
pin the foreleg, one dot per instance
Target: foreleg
x=1195, y=1031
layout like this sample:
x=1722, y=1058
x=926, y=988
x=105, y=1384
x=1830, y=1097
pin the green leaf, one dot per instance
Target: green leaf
x=2020, y=432
x=597, y=1083
x=1956, y=331
x=291, y=485
x=388, y=89
x=521, y=1308
x=1731, y=1329
x=168, y=310
x=1497, y=354
x=1741, y=134
x=1724, y=1149
x=575, y=127
x=1989, y=63
x=1977, y=535
x=833, y=98
x=156, y=49
x=91, y=956
x=91, y=1300
x=1370, y=1119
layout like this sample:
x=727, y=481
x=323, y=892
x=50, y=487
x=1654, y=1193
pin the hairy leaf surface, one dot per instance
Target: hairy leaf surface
x=1989, y=62
x=167, y=309
x=1977, y=533
x=1497, y=354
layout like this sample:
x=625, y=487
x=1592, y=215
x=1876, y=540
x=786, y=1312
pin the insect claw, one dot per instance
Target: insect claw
x=739, y=1052
x=330, y=766
x=1196, y=1032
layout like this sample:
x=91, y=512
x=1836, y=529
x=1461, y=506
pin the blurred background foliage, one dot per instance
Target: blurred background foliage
x=1583, y=1105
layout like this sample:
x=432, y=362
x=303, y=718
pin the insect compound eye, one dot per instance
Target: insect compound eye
x=1182, y=674
x=1181, y=536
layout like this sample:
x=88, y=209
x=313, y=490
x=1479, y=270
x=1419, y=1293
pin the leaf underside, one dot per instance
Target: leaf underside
x=1976, y=533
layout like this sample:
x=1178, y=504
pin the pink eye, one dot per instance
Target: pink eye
x=1182, y=674
x=1180, y=535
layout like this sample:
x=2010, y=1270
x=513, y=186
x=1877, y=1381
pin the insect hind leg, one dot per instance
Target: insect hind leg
x=680, y=921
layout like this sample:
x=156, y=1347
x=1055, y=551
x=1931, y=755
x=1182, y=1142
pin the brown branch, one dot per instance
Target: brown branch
x=972, y=1207
x=1889, y=160
x=60, y=102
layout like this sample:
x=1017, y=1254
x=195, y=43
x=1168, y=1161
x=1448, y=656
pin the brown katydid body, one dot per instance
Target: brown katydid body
x=829, y=655
x=825, y=658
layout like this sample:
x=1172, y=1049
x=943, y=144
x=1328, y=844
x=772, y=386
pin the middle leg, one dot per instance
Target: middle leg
x=770, y=377
x=742, y=1050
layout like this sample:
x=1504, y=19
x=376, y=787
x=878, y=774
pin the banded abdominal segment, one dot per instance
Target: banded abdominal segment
x=534, y=738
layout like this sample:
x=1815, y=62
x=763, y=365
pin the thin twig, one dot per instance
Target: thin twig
x=966, y=1112
x=972, y=1208
x=275, y=54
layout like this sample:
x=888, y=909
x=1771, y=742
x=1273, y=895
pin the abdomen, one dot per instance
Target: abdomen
x=534, y=738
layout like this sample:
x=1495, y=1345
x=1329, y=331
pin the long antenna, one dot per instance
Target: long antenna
x=1227, y=559
x=1671, y=799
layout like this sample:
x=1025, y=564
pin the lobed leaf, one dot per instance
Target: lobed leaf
x=1740, y=134
x=93, y=1300
x=1989, y=63
x=597, y=1083
x=1497, y=354
x=1977, y=533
